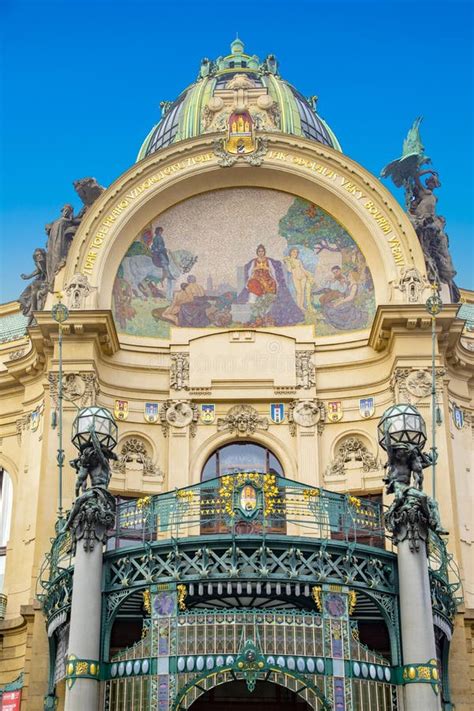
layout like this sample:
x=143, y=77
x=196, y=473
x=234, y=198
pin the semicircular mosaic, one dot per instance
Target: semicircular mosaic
x=243, y=257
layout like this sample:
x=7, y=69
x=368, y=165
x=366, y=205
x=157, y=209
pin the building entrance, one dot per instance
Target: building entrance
x=235, y=696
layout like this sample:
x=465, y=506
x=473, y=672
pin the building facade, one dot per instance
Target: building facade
x=248, y=301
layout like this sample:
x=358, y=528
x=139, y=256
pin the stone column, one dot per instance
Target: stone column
x=82, y=689
x=409, y=518
x=418, y=641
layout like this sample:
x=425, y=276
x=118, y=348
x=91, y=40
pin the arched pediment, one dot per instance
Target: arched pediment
x=310, y=207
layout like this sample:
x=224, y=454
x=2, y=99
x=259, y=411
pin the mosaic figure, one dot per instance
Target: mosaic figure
x=189, y=268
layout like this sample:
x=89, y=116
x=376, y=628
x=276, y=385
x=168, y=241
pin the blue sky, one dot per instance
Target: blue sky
x=81, y=83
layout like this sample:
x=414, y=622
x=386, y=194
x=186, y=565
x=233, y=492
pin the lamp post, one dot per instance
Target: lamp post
x=60, y=314
x=94, y=433
x=402, y=434
x=433, y=306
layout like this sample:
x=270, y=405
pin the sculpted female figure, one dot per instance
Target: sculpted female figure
x=34, y=296
x=60, y=234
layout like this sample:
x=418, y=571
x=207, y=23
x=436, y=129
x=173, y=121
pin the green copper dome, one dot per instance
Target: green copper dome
x=238, y=85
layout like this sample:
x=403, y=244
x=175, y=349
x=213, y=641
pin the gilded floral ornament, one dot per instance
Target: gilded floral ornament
x=248, y=493
x=182, y=593
x=147, y=601
x=316, y=594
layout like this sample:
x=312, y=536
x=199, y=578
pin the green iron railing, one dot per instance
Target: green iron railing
x=249, y=503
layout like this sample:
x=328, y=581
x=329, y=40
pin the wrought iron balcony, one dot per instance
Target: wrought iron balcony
x=246, y=531
x=249, y=503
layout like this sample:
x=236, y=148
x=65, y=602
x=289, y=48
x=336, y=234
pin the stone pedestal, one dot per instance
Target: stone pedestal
x=82, y=689
x=418, y=641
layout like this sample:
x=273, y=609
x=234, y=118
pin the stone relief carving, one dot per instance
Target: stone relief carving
x=16, y=355
x=306, y=413
x=242, y=420
x=179, y=413
x=29, y=421
x=410, y=384
x=412, y=285
x=305, y=370
x=78, y=290
x=179, y=371
x=134, y=455
x=418, y=383
x=80, y=388
x=354, y=450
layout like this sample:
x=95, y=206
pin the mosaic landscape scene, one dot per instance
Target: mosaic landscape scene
x=243, y=257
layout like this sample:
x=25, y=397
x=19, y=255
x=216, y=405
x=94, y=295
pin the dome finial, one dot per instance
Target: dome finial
x=237, y=46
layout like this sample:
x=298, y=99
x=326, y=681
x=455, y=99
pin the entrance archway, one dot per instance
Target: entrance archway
x=235, y=696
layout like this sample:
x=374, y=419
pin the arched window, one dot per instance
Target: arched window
x=241, y=457
x=235, y=458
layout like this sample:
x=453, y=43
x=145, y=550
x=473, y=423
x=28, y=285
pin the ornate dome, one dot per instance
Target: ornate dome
x=238, y=85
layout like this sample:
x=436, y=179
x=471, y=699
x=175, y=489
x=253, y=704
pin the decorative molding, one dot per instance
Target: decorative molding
x=80, y=388
x=16, y=355
x=77, y=291
x=306, y=413
x=282, y=390
x=200, y=392
x=413, y=384
x=180, y=414
x=352, y=448
x=305, y=370
x=242, y=420
x=29, y=421
x=412, y=284
x=134, y=454
x=179, y=371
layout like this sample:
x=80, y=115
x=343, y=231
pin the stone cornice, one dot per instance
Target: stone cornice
x=403, y=319
x=98, y=324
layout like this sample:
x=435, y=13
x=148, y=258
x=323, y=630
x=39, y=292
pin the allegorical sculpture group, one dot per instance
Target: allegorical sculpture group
x=50, y=260
x=93, y=511
x=413, y=513
x=420, y=200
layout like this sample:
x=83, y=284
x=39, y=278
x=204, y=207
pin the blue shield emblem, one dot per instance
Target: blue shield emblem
x=151, y=412
x=458, y=417
x=277, y=412
x=367, y=406
x=208, y=413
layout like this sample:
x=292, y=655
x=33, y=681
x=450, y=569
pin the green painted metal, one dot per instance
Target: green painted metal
x=197, y=96
x=305, y=681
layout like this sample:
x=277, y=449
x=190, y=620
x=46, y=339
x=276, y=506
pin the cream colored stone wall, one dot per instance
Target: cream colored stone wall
x=245, y=366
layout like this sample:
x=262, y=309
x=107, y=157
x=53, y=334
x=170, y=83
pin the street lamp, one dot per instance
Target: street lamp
x=401, y=424
x=96, y=420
